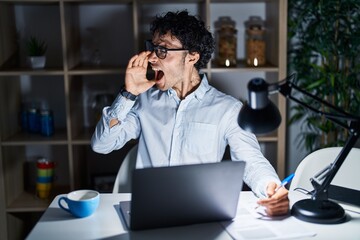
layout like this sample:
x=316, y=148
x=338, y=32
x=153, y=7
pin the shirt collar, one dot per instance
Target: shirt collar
x=203, y=87
x=199, y=92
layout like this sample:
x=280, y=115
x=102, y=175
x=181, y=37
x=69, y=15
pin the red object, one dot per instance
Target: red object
x=45, y=164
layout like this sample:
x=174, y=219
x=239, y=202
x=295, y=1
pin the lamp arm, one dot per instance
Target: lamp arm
x=321, y=189
x=330, y=116
x=286, y=86
x=327, y=174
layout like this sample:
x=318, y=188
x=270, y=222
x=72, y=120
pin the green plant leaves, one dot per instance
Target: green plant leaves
x=36, y=47
x=324, y=51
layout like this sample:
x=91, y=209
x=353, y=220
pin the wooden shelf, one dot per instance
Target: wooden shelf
x=84, y=137
x=71, y=86
x=96, y=70
x=242, y=67
x=29, y=202
x=273, y=137
x=22, y=139
x=31, y=72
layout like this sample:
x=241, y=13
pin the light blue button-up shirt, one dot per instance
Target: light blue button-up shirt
x=173, y=132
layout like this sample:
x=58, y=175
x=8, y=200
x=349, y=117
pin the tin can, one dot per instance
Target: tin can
x=46, y=122
x=33, y=120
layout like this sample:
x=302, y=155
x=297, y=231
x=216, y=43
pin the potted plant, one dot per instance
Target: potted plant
x=324, y=51
x=36, y=49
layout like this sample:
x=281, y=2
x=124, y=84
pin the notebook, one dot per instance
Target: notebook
x=183, y=195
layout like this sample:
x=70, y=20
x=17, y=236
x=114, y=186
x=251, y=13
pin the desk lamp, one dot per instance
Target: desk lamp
x=261, y=116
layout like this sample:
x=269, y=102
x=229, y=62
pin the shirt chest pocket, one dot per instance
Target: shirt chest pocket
x=200, y=138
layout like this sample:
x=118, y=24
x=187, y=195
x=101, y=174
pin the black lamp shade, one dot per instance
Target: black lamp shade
x=260, y=116
x=259, y=121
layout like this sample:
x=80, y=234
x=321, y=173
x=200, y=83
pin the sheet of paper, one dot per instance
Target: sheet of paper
x=251, y=223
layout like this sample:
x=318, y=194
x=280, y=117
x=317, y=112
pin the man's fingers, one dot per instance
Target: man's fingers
x=277, y=204
x=139, y=60
x=277, y=211
x=271, y=189
x=277, y=208
x=131, y=61
x=281, y=194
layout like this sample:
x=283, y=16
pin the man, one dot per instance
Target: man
x=177, y=116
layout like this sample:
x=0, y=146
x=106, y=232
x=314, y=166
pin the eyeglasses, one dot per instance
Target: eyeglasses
x=160, y=51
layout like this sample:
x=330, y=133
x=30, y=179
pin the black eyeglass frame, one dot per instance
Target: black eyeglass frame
x=149, y=46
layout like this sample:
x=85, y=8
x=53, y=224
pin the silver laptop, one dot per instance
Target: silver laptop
x=183, y=195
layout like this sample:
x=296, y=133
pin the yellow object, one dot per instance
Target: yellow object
x=43, y=190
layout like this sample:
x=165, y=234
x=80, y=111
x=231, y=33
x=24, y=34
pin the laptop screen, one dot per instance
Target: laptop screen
x=187, y=194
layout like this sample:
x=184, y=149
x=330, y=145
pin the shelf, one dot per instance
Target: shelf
x=21, y=139
x=89, y=45
x=104, y=70
x=30, y=72
x=83, y=138
x=29, y=202
x=244, y=70
x=96, y=70
x=242, y=67
x=268, y=138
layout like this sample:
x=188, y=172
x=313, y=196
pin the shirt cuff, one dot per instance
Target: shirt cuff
x=120, y=108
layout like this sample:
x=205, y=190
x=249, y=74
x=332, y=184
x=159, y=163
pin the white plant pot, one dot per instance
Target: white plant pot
x=37, y=62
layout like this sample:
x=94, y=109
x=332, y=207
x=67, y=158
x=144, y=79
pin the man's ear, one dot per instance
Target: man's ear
x=193, y=57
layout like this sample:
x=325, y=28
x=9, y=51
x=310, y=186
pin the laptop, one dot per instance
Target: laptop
x=183, y=195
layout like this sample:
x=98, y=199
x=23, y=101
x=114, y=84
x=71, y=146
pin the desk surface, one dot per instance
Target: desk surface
x=106, y=223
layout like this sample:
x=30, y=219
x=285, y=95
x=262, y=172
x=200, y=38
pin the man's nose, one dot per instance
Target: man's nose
x=152, y=57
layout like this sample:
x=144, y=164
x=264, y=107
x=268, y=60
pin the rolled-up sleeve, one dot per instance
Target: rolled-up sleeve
x=106, y=139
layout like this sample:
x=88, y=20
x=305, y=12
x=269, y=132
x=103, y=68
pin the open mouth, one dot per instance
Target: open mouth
x=158, y=74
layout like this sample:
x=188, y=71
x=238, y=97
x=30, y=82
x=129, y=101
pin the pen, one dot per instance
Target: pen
x=282, y=184
x=285, y=181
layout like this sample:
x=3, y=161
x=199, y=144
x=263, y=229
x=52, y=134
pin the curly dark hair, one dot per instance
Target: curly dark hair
x=190, y=31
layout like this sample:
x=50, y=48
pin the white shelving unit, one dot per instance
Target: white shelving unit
x=89, y=44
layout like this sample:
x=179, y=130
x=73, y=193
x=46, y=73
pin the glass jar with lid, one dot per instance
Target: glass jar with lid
x=255, y=42
x=226, y=42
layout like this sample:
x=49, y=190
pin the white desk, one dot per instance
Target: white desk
x=106, y=223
